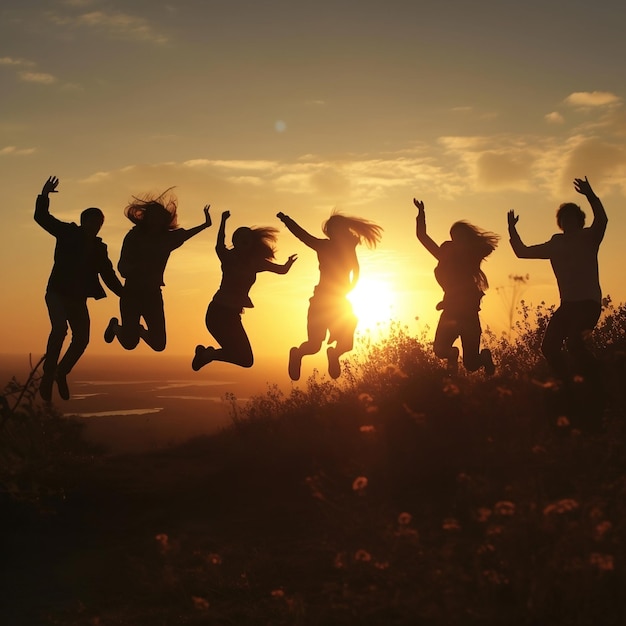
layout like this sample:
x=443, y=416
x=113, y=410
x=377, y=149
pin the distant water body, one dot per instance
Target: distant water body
x=148, y=402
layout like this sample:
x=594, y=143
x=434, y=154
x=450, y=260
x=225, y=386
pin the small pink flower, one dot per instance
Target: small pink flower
x=360, y=484
x=362, y=555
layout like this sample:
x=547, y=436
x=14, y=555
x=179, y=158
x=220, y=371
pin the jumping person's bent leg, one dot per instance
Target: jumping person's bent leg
x=445, y=336
x=129, y=328
x=57, y=312
x=225, y=325
x=154, y=316
x=78, y=318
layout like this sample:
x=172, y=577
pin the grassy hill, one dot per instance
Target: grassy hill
x=396, y=496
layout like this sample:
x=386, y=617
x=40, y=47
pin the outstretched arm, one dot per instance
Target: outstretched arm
x=276, y=268
x=600, y=218
x=220, y=244
x=420, y=230
x=42, y=207
x=188, y=234
x=522, y=251
x=297, y=230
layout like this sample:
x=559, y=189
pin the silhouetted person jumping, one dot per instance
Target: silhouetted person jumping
x=464, y=284
x=329, y=309
x=144, y=255
x=573, y=255
x=252, y=252
x=80, y=258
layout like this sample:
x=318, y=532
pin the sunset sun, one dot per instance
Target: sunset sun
x=374, y=302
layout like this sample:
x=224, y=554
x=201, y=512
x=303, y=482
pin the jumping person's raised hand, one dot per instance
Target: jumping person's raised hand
x=50, y=186
x=582, y=186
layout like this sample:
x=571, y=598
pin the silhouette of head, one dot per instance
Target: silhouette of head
x=91, y=220
x=154, y=213
x=258, y=241
x=353, y=230
x=570, y=217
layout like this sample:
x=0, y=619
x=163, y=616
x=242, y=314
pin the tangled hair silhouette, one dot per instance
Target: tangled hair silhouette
x=478, y=243
x=165, y=204
x=362, y=230
x=260, y=241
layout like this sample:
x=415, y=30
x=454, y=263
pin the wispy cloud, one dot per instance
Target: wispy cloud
x=12, y=62
x=12, y=150
x=116, y=24
x=37, y=77
x=554, y=118
x=590, y=99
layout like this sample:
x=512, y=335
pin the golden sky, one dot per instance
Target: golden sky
x=303, y=107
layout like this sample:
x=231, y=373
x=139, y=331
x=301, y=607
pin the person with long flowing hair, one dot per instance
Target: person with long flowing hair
x=253, y=251
x=143, y=258
x=330, y=312
x=460, y=275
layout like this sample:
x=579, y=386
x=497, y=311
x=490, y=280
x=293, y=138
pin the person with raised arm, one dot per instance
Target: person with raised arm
x=252, y=252
x=464, y=283
x=80, y=260
x=329, y=309
x=573, y=254
x=143, y=258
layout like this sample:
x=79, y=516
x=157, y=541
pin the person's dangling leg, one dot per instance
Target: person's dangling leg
x=316, y=333
x=443, y=345
x=473, y=357
x=57, y=312
x=129, y=329
x=154, y=315
x=342, y=324
x=225, y=325
x=78, y=319
x=552, y=343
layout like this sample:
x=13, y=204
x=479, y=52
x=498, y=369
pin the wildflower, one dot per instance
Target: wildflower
x=450, y=389
x=214, y=558
x=561, y=506
x=602, y=529
x=485, y=548
x=504, y=392
x=200, y=604
x=505, y=508
x=603, y=562
x=495, y=578
x=451, y=523
x=164, y=542
x=404, y=519
x=360, y=484
x=368, y=429
x=483, y=514
x=277, y=593
x=339, y=561
x=578, y=379
x=496, y=529
x=362, y=555
x=562, y=421
x=418, y=417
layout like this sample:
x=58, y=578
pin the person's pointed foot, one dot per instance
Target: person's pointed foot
x=295, y=363
x=334, y=367
x=111, y=330
x=488, y=363
x=202, y=357
x=64, y=390
x=45, y=386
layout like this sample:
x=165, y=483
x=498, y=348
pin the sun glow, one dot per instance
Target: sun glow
x=374, y=302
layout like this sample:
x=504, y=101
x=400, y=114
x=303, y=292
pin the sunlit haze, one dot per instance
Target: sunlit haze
x=306, y=108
